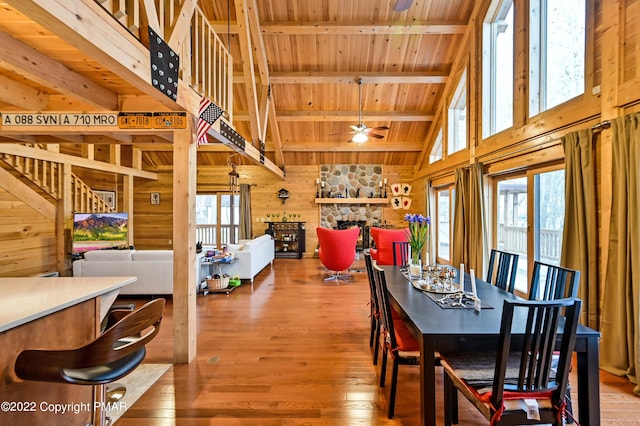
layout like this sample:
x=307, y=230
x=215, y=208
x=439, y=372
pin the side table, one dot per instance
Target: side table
x=209, y=264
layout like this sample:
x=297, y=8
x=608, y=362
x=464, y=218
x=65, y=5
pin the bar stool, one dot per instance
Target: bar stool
x=111, y=356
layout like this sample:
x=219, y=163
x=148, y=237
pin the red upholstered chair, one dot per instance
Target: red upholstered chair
x=384, y=239
x=337, y=250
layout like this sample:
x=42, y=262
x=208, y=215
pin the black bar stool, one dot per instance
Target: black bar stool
x=111, y=356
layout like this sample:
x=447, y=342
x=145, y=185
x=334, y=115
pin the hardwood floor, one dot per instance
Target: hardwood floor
x=295, y=351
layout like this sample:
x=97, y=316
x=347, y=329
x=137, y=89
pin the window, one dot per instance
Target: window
x=556, y=52
x=444, y=223
x=436, y=151
x=497, y=68
x=216, y=221
x=530, y=219
x=457, y=132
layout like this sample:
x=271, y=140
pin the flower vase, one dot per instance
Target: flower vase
x=415, y=267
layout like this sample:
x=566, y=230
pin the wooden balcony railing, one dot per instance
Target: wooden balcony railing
x=47, y=176
x=209, y=234
x=206, y=64
x=514, y=239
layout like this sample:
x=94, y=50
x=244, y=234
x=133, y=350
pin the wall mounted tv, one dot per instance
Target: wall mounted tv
x=97, y=231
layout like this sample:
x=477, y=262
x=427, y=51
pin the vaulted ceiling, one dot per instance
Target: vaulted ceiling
x=309, y=53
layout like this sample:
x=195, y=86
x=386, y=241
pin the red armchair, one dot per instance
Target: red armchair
x=337, y=250
x=384, y=239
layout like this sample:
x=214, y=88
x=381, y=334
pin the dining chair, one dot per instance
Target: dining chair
x=337, y=251
x=383, y=240
x=503, y=267
x=400, y=253
x=549, y=282
x=499, y=383
x=395, y=339
x=374, y=310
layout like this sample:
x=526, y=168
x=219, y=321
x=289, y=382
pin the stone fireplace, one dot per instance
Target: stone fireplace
x=363, y=238
x=356, y=183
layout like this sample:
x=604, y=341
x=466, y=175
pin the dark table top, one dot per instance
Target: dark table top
x=430, y=319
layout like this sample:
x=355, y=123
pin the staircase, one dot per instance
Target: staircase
x=46, y=176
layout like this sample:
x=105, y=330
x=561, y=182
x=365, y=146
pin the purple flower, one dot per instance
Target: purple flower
x=418, y=232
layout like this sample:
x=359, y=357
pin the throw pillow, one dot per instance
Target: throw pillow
x=232, y=248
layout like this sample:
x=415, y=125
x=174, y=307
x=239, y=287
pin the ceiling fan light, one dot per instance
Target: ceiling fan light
x=359, y=137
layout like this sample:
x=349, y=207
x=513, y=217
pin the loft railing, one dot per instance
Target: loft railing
x=206, y=64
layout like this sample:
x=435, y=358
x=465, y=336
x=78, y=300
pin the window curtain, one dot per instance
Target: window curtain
x=620, y=344
x=469, y=226
x=460, y=245
x=580, y=234
x=428, y=195
x=245, y=211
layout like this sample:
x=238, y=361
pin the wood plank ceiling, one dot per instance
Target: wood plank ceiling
x=306, y=56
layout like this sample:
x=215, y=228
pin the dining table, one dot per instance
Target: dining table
x=441, y=329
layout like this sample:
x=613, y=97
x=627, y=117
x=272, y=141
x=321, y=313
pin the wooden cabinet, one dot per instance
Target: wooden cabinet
x=289, y=238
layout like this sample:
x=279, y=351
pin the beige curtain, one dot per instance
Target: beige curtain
x=460, y=244
x=428, y=195
x=580, y=235
x=469, y=227
x=621, y=311
x=478, y=247
x=245, y=211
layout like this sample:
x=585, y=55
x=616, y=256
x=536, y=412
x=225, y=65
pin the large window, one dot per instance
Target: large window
x=530, y=219
x=436, y=151
x=216, y=220
x=457, y=124
x=444, y=223
x=556, y=52
x=497, y=68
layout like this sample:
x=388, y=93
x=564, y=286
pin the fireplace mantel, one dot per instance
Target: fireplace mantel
x=352, y=200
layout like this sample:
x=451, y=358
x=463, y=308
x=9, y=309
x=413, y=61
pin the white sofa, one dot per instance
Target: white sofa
x=154, y=269
x=253, y=256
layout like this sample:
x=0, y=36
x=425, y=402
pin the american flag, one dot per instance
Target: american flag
x=207, y=115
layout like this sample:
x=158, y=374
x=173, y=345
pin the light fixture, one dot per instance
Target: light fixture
x=359, y=137
x=233, y=176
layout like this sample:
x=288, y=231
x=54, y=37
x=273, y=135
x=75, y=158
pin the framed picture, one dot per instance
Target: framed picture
x=155, y=198
x=108, y=197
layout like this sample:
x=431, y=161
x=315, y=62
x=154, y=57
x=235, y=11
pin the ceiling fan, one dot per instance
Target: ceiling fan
x=402, y=5
x=361, y=132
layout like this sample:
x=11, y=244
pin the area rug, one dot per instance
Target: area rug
x=137, y=383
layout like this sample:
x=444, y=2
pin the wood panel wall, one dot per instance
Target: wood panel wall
x=612, y=51
x=612, y=47
x=28, y=239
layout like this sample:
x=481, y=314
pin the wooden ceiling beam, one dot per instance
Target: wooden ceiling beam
x=351, y=28
x=310, y=77
x=344, y=146
x=85, y=25
x=23, y=96
x=246, y=54
x=182, y=25
x=345, y=116
x=28, y=62
x=304, y=77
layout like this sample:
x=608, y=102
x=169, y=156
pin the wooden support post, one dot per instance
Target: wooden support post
x=127, y=202
x=184, y=255
x=64, y=222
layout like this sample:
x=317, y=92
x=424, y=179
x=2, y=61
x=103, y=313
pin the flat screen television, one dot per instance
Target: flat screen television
x=97, y=231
